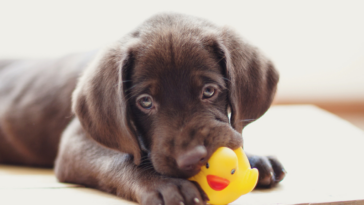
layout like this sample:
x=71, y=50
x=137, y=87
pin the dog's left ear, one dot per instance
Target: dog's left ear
x=252, y=79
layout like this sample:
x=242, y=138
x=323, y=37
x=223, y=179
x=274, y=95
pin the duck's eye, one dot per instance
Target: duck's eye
x=232, y=171
x=207, y=165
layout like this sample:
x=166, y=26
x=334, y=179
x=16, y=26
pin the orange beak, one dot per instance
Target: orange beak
x=217, y=183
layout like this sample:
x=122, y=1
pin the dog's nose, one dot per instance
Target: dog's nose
x=189, y=160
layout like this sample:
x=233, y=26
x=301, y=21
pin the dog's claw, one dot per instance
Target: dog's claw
x=270, y=169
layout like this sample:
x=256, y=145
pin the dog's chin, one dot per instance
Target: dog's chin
x=188, y=174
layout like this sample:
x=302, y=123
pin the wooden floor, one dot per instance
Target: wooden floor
x=321, y=152
x=357, y=119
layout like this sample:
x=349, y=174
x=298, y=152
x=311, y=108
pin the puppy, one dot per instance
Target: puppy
x=148, y=111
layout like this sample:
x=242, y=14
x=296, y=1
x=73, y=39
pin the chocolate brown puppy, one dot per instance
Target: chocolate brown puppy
x=146, y=112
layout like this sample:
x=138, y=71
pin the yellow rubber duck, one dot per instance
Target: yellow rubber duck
x=226, y=176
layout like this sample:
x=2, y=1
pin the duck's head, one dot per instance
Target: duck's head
x=221, y=169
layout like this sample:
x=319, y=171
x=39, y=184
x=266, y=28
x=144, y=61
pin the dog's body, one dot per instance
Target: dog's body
x=36, y=107
x=150, y=110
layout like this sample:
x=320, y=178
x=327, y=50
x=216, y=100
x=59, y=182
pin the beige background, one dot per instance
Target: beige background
x=318, y=46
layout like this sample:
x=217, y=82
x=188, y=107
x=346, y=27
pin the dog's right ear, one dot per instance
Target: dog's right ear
x=99, y=101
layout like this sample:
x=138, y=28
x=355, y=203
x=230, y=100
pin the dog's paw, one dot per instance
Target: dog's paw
x=172, y=191
x=270, y=169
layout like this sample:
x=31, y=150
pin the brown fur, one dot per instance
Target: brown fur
x=112, y=143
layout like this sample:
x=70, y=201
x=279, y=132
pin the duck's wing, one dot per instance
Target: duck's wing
x=248, y=177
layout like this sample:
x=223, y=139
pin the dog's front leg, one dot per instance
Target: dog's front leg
x=271, y=171
x=83, y=161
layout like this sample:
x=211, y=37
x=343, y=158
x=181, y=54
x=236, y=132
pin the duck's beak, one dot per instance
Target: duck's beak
x=217, y=183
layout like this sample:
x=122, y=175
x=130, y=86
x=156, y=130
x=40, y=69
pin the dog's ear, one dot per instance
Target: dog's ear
x=251, y=78
x=99, y=101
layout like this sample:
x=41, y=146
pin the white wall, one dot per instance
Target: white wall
x=318, y=46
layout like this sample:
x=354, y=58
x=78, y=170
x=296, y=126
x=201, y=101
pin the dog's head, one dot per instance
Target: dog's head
x=169, y=91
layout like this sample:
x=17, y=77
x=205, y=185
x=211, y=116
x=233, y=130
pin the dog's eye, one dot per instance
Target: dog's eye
x=145, y=101
x=208, y=92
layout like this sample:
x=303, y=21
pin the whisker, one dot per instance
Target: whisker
x=226, y=79
x=247, y=120
x=129, y=96
x=147, y=169
x=127, y=90
x=220, y=60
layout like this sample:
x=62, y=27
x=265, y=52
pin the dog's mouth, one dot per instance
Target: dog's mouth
x=181, y=173
x=192, y=172
x=169, y=168
x=187, y=173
